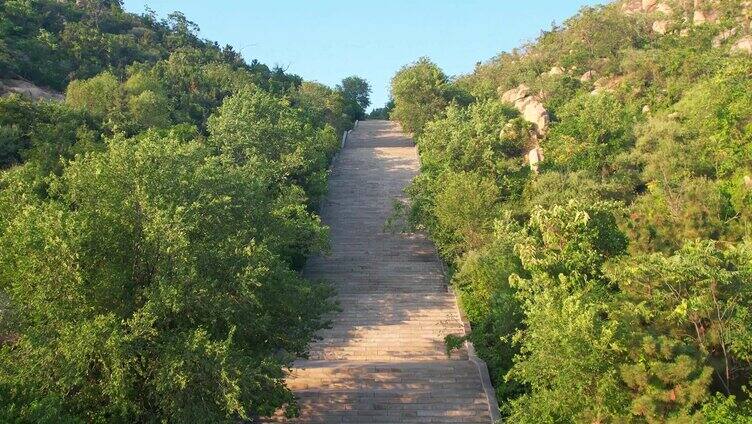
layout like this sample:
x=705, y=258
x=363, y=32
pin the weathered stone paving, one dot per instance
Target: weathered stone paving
x=384, y=359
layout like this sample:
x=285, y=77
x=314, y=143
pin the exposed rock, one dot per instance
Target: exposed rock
x=556, y=70
x=702, y=17
x=534, y=158
x=646, y=109
x=631, y=7
x=28, y=89
x=744, y=45
x=700, y=11
x=722, y=37
x=748, y=181
x=588, y=76
x=661, y=27
x=516, y=94
x=664, y=9
x=649, y=5
x=704, y=14
x=533, y=111
x=530, y=107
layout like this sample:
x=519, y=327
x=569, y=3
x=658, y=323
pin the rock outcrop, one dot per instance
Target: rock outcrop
x=661, y=27
x=664, y=9
x=556, y=70
x=722, y=37
x=743, y=46
x=530, y=107
x=643, y=6
x=700, y=11
x=588, y=76
x=28, y=89
x=704, y=13
x=534, y=158
x=631, y=7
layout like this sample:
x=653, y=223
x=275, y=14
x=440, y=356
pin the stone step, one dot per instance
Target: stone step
x=383, y=360
x=389, y=392
x=390, y=326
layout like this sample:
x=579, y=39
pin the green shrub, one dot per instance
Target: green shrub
x=419, y=92
x=155, y=285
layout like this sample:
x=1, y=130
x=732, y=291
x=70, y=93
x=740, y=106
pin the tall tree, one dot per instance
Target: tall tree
x=419, y=94
x=356, y=92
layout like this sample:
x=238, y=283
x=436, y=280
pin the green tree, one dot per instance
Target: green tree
x=324, y=105
x=419, y=93
x=154, y=286
x=101, y=96
x=356, y=91
x=593, y=129
x=465, y=207
x=149, y=110
x=700, y=294
x=255, y=127
x=382, y=113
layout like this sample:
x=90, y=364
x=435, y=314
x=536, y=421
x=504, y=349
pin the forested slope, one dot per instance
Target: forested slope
x=592, y=193
x=153, y=223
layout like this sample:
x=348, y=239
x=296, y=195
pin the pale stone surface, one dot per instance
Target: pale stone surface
x=723, y=36
x=383, y=360
x=704, y=13
x=661, y=27
x=664, y=9
x=744, y=45
x=556, y=70
x=530, y=107
x=702, y=17
x=516, y=94
x=533, y=111
x=534, y=158
x=28, y=89
x=637, y=6
x=588, y=76
x=632, y=6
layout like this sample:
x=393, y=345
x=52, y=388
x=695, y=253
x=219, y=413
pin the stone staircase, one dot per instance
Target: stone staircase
x=383, y=360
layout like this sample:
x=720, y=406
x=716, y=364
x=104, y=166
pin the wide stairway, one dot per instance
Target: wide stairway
x=384, y=360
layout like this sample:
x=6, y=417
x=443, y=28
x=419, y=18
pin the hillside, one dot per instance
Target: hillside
x=592, y=194
x=589, y=193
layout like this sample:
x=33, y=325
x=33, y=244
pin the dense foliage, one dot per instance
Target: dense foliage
x=420, y=91
x=356, y=93
x=382, y=112
x=154, y=224
x=55, y=42
x=615, y=283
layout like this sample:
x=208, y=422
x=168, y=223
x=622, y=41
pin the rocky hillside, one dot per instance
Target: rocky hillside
x=592, y=193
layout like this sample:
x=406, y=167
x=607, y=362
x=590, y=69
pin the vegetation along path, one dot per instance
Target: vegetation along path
x=384, y=360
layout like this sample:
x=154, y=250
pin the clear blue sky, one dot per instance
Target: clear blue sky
x=327, y=40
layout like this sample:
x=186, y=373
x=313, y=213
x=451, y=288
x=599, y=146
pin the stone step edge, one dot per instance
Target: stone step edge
x=485, y=377
x=346, y=363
